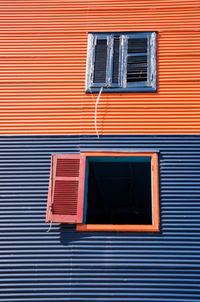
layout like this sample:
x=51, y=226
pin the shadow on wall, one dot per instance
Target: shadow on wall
x=68, y=235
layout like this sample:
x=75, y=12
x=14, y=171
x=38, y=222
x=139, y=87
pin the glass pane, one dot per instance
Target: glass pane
x=137, y=69
x=115, y=75
x=137, y=45
x=100, y=61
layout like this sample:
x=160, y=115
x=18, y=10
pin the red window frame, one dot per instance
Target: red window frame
x=154, y=227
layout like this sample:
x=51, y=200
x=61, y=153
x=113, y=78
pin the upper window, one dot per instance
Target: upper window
x=121, y=62
x=105, y=191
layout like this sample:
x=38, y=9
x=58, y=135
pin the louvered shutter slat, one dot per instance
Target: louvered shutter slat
x=66, y=188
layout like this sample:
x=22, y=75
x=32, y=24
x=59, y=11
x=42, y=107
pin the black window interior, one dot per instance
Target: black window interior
x=119, y=190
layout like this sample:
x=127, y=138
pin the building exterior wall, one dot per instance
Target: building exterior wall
x=66, y=265
x=44, y=110
x=43, y=47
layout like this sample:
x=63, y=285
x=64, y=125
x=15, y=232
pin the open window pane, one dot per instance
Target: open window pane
x=137, y=45
x=115, y=74
x=100, y=61
x=137, y=69
x=119, y=191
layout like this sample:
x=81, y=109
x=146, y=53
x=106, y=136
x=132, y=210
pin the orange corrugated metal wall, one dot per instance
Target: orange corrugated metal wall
x=42, y=67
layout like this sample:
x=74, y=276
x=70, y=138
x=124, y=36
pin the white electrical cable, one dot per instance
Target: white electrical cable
x=50, y=217
x=92, y=94
x=50, y=226
x=95, y=117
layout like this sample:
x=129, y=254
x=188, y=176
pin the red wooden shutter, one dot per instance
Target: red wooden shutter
x=66, y=188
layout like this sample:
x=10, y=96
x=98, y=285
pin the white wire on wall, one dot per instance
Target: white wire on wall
x=95, y=116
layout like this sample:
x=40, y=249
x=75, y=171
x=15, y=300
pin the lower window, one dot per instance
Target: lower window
x=119, y=193
x=105, y=191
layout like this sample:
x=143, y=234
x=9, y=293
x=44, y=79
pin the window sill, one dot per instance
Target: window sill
x=121, y=90
x=117, y=228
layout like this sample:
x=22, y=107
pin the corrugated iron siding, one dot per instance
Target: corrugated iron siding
x=43, y=57
x=64, y=265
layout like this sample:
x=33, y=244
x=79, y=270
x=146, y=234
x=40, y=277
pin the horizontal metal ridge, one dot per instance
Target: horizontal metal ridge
x=65, y=265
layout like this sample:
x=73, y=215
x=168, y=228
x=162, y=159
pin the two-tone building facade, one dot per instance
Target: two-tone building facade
x=100, y=116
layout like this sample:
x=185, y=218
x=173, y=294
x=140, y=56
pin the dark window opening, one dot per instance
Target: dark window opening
x=115, y=75
x=100, y=61
x=137, y=69
x=119, y=191
x=137, y=46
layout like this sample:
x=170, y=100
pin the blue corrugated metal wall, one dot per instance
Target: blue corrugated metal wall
x=64, y=265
